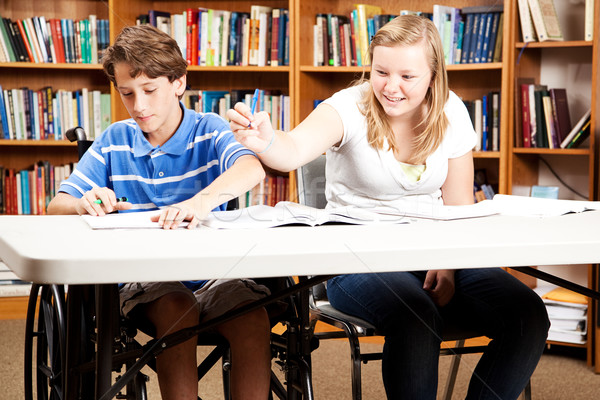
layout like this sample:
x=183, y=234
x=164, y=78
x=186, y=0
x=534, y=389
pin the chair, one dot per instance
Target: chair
x=311, y=184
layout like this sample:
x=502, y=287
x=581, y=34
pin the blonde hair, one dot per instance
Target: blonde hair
x=409, y=30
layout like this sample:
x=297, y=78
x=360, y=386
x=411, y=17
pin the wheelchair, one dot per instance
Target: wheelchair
x=50, y=368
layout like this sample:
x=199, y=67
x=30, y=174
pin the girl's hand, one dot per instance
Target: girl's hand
x=100, y=201
x=440, y=285
x=253, y=131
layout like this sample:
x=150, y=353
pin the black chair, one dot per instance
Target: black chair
x=45, y=372
x=311, y=191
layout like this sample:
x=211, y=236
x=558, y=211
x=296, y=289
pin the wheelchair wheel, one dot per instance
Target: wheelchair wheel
x=44, y=369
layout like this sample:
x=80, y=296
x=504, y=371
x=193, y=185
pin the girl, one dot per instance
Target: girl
x=401, y=139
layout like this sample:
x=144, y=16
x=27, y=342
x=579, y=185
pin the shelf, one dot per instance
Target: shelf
x=61, y=66
x=452, y=67
x=38, y=143
x=486, y=154
x=237, y=68
x=554, y=45
x=565, y=152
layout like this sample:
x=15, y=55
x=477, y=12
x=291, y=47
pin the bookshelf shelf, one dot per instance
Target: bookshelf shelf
x=487, y=154
x=235, y=68
x=566, y=152
x=60, y=66
x=38, y=143
x=552, y=45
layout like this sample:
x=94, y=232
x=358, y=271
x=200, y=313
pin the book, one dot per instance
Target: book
x=589, y=21
x=561, y=116
x=527, y=29
x=576, y=129
x=583, y=134
x=565, y=295
x=364, y=12
x=289, y=213
x=545, y=20
x=255, y=32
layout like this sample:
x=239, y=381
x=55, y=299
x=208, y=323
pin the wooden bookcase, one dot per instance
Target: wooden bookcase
x=571, y=64
x=508, y=169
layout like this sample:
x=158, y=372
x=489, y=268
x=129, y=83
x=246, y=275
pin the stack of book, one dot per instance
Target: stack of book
x=567, y=311
x=10, y=284
x=54, y=40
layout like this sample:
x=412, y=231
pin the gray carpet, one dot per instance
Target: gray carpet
x=558, y=376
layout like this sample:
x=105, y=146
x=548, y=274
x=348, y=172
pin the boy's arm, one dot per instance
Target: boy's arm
x=245, y=173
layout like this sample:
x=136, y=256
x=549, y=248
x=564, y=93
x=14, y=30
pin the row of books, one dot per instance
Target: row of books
x=219, y=101
x=28, y=191
x=54, y=40
x=485, y=115
x=269, y=191
x=544, y=119
x=469, y=35
x=539, y=21
x=567, y=312
x=48, y=114
x=211, y=37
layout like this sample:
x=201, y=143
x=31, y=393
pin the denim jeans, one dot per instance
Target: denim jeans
x=487, y=301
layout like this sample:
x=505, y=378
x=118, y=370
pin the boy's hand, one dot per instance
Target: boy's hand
x=172, y=216
x=253, y=131
x=99, y=202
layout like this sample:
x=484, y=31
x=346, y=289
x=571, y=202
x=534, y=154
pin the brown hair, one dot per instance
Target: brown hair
x=409, y=30
x=148, y=51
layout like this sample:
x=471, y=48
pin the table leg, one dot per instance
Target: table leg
x=106, y=324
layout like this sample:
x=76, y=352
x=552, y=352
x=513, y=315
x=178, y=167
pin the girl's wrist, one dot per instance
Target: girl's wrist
x=269, y=145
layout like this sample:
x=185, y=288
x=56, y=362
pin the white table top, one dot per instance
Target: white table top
x=63, y=249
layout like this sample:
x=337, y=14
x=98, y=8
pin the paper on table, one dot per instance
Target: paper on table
x=443, y=213
x=540, y=207
x=131, y=220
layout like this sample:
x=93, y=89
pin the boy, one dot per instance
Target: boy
x=187, y=164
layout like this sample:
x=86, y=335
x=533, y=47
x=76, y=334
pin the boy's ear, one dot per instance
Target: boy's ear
x=180, y=84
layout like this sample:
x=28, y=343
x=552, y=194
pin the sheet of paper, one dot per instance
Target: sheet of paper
x=131, y=220
x=540, y=207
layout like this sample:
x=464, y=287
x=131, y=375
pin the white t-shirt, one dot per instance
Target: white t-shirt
x=359, y=175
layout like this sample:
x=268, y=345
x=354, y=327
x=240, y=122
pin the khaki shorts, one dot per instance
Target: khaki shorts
x=214, y=299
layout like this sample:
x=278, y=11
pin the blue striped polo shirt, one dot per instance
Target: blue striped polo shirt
x=123, y=160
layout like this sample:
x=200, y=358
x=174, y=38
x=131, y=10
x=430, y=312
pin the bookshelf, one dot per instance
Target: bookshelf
x=570, y=64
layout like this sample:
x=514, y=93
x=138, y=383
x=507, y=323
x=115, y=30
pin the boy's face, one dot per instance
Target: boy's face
x=152, y=103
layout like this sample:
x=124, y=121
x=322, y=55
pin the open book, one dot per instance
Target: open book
x=289, y=213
